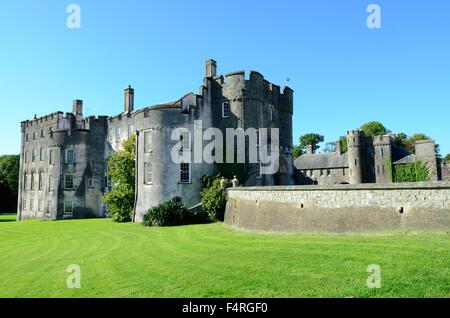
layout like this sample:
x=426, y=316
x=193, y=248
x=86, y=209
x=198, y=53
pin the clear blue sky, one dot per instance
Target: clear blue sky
x=343, y=73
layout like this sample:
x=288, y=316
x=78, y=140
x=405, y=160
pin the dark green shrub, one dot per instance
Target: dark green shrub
x=196, y=215
x=170, y=213
x=214, y=200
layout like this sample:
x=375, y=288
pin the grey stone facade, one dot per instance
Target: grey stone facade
x=367, y=160
x=445, y=171
x=72, y=182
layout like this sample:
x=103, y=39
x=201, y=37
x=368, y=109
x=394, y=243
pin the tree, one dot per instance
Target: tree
x=446, y=159
x=121, y=171
x=374, y=128
x=401, y=140
x=297, y=152
x=330, y=147
x=311, y=139
x=214, y=200
x=9, y=171
x=344, y=144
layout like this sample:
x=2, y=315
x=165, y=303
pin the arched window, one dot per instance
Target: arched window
x=41, y=180
x=271, y=111
x=32, y=180
x=25, y=180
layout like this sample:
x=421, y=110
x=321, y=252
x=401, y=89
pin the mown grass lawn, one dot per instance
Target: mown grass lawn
x=129, y=260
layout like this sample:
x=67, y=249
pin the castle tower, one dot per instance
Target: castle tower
x=77, y=108
x=382, y=158
x=355, y=140
x=426, y=152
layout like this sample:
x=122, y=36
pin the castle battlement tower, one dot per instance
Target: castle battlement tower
x=356, y=142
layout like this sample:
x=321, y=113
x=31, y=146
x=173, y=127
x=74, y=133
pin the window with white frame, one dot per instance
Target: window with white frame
x=24, y=204
x=31, y=204
x=34, y=135
x=27, y=137
x=148, y=173
x=148, y=141
x=185, y=172
x=225, y=109
x=40, y=205
x=33, y=155
x=185, y=140
x=68, y=206
x=68, y=181
x=70, y=156
x=26, y=156
x=42, y=133
x=41, y=154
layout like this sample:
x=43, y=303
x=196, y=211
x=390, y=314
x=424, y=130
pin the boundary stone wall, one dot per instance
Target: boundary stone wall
x=364, y=208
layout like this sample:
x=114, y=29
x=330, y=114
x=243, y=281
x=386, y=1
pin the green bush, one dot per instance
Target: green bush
x=413, y=172
x=173, y=213
x=214, y=200
x=170, y=213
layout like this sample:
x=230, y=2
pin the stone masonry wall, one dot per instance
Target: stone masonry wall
x=362, y=208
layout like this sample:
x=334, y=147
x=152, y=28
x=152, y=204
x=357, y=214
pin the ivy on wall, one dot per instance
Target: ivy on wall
x=412, y=172
x=390, y=167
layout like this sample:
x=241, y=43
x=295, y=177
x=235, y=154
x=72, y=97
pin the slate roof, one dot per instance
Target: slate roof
x=402, y=156
x=322, y=161
x=408, y=159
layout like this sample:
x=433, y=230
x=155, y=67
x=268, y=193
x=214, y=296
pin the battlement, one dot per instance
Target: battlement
x=255, y=80
x=355, y=132
x=383, y=140
x=38, y=120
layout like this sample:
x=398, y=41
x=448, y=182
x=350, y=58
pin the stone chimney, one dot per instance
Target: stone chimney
x=129, y=99
x=338, y=148
x=211, y=68
x=309, y=150
x=77, y=109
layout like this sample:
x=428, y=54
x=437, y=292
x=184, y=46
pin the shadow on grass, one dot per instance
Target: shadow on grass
x=7, y=217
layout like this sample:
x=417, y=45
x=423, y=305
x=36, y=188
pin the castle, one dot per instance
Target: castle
x=63, y=161
x=368, y=160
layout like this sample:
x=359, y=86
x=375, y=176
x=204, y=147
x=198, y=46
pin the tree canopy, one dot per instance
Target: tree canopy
x=121, y=171
x=9, y=171
x=311, y=139
x=447, y=158
x=374, y=128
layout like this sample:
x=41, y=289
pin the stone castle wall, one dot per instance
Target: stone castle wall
x=365, y=208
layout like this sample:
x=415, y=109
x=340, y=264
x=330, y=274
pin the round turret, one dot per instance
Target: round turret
x=355, y=139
